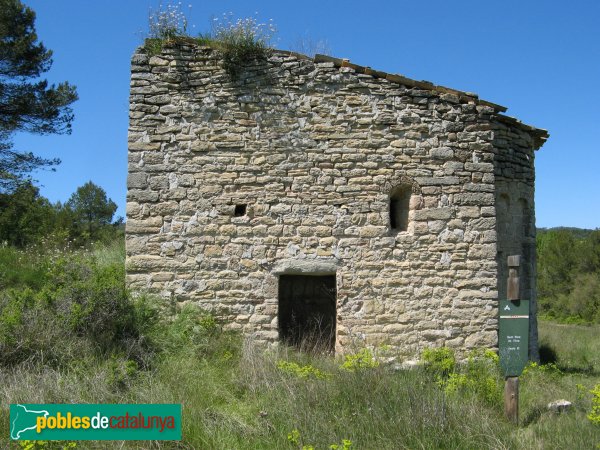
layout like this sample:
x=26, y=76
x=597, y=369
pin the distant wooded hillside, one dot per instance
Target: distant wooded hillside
x=568, y=275
x=578, y=233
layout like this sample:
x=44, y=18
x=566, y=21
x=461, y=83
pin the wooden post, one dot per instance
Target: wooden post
x=511, y=384
x=511, y=399
x=512, y=286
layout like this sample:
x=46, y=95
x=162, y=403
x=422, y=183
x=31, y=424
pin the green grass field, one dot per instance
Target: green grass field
x=238, y=396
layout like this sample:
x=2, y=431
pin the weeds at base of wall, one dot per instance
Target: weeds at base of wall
x=479, y=375
x=361, y=360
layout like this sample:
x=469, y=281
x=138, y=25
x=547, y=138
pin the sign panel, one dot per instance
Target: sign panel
x=513, y=336
x=95, y=422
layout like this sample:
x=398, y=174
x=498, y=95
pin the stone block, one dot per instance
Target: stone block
x=434, y=214
x=444, y=153
x=143, y=226
x=370, y=231
x=137, y=180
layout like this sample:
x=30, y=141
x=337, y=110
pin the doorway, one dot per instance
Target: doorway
x=307, y=311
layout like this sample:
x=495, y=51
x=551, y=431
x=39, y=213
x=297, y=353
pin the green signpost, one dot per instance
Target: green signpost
x=513, y=339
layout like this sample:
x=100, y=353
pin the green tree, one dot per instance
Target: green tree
x=92, y=211
x=25, y=216
x=26, y=102
x=584, y=300
x=557, y=261
x=569, y=273
x=590, y=253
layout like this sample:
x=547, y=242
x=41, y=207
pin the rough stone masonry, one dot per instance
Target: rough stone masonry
x=400, y=199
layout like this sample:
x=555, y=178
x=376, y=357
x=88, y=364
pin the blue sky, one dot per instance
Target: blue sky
x=540, y=58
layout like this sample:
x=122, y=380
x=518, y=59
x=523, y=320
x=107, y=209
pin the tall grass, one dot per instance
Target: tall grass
x=571, y=370
x=574, y=348
x=236, y=395
x=19, y=269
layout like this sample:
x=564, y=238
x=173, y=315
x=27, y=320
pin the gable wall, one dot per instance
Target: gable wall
x=314, y=151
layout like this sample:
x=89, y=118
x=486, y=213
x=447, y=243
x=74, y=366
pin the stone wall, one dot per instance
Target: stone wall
x=290, y=169
x=515, y=186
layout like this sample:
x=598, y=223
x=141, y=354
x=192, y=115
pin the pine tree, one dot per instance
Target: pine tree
x=26, y=102
x=92, y=211
x=25, y=216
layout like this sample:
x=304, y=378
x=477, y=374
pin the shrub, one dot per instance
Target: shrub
x=82, y=306
x=97, y=304
x=479, y=376
x=533, y=368
x=594, y=415
x=121, y=372
x=584, y=300
x=305, y=372
x=363, y=359
x=190, y=327
x=20, y=268
x=440, y=361
x=345, y=445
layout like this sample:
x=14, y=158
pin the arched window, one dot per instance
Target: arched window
x=526, y=217
x=399, y=207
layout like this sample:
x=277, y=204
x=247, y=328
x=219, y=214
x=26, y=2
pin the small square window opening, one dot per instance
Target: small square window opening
x=239, y=211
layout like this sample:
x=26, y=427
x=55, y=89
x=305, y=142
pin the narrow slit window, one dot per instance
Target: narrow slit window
x=399, y=206
x=239, y=211
x=526, y=217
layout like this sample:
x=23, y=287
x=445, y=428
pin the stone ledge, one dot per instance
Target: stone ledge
x=306, y=266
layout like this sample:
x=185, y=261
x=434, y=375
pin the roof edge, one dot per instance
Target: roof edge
x=540, y=135
x=468, y=97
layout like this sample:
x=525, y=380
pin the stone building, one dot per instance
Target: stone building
x=312, y=195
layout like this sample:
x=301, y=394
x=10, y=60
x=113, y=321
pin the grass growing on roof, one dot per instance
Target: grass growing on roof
x=241, y=41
